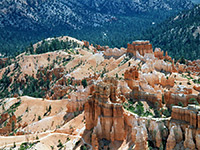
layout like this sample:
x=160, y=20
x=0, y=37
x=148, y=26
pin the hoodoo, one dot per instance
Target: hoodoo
x=97, y=97
x=141, y=47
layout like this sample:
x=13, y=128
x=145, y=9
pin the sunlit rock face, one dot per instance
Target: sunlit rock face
x=123, y=102
x=142, y=47
x=104, y=113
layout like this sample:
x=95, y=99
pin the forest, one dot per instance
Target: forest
x=176, y=37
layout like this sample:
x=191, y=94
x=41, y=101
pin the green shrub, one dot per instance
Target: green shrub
x=39, y=118
x=139, y=108
x=166, y=113
x=83, y=147
x=84, y=83
x=60, y=145
x=180, y=104
x=163, y=99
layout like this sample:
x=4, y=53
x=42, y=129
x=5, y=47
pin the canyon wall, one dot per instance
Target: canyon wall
x=139, y=46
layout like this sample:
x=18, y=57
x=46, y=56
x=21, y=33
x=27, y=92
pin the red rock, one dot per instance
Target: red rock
x=102, y=112
x=158, y=53
x=4, y=117
x=141, y=46
x=86, y=44
x=131, y=75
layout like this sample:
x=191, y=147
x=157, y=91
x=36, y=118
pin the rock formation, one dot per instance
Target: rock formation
x=115, y=52
x=167, y=81
x=141, y=138
x=189, y=142
x=120, y=112
x=158, y=53
x=141, y=46
x=103, y=111
x=190, y=115
x=198, y=140
x=86, y=44
x=48, y=74
x=130, y=76
x=171, y=141
x=78, y=99
x=181, y=96
x=9, y=126
x=105, y=115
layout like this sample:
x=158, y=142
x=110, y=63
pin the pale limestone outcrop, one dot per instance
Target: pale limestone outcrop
x=151, y=78
x=158, y=138
x=155, y=129
x=171, y=141
x=161, y=65
x=167, y=81
x=147, y=67
x=178, y=134
x=124, y=88
x=189, y=142
x=145, y=86
x=148, y=56
x=78, y=99
x=141, y=138
x=139, y=133
x=198, y=140
x=154, y=78
x=150, y=129
x=114, y=52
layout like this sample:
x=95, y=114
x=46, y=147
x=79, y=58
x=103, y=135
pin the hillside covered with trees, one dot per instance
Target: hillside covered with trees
x=179, y=35
x=112, y=23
